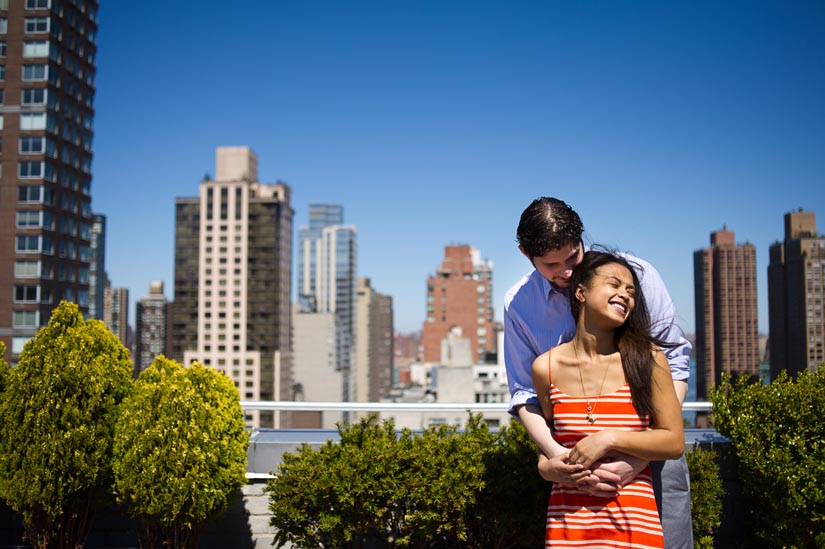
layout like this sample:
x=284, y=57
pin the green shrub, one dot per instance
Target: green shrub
x=511, y=510
x=778, y=435
x=180, y=450
x=440, y=488
x=706, y=493
x=57, y=418
x=5, y=371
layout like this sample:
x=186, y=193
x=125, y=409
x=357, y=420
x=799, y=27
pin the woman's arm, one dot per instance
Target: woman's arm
x=665, y=439
x=553, y=463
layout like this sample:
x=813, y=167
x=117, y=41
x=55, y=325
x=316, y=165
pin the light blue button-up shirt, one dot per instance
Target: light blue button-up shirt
x=537, y=317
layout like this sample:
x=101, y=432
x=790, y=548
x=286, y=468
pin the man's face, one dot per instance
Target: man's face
x=557, y=265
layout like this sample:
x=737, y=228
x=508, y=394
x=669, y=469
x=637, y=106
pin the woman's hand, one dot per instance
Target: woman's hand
x=592, y=448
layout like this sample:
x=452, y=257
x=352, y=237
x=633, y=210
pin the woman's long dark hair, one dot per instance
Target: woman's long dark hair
x=633, y=338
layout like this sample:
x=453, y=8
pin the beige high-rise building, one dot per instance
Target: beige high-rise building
x=796, y=296
x=317, y=377
x=460, y=293
x=727, y=323
x=374, y=344
x=233, y=252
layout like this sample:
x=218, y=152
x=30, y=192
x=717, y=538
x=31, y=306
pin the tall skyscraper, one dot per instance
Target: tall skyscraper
x=116, y=313
x=321, y=215
x=796, y=296
x=47, y=71
x=327, y=271
x=233, y=255
x=151, y=327
x=97, y=266
x=374, y=344
x=727, y=323
x=460, y=294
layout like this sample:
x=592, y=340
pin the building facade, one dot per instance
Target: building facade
x=47, y=73
x=727, y=323
x=316, y=377
x=233, y=250
x=460, y=293
x=97, y=266
x=321, y=216
x=152, y=327
x=327, y=270
x=116, y=313
x=374, y=345
x=796, y=296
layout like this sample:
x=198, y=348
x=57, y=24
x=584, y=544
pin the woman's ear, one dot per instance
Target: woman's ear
x=580, y=293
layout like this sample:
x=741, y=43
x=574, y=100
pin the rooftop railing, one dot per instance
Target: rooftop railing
x=285, y=405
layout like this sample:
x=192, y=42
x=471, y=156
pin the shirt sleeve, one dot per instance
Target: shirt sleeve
x=518, y=360
x=665, y=322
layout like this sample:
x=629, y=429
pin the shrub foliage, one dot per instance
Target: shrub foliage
x=778, y=435
x=437, y=488
x=57, y=418
x=706, y=491
x=180, y=450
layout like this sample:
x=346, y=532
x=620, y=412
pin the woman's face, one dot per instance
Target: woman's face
x=609, y=293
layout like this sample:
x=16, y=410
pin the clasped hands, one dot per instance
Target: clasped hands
x=602, y=476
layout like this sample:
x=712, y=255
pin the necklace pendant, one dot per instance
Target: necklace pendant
x=591, y=419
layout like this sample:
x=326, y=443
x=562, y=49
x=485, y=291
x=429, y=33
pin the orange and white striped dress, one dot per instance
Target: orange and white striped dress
x=574, y=519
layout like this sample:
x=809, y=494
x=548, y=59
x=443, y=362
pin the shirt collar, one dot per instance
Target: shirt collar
x=548, y=289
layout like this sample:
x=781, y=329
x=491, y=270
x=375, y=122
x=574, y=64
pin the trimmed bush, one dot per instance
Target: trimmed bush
x=57, y=418
x=778, y=435
x=439, y=488
x=706, y=493
x=180, y=451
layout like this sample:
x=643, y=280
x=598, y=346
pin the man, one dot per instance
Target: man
x=537, y=317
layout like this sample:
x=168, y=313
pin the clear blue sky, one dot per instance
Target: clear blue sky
x=437, y=122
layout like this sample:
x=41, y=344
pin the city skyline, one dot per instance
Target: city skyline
x=437, y=123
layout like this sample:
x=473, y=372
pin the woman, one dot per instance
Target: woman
x=608, y=390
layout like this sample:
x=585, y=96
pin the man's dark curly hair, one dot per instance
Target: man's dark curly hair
x=548, y=224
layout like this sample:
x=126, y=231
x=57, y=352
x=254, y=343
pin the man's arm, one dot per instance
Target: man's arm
x=519, y=353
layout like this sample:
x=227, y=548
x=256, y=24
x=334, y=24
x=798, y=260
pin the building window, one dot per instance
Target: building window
x=25, y=319
x=27, y=244
x=34, y=219
x=2, y=48
x=36, y=48
x=32, y=145
x=35, y=73
x=37, y=4
x=17, y=344
x=36, y=195
x=36, y=24
x=25, y=294
x=30, y=170
x=26, y=269
x=4, y=25
x=2, y=73
x=33, y=96
x=33, y=121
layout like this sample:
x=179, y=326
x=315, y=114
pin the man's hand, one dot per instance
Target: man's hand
x=611, y=473
x=558, y=471
x=619, y=468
